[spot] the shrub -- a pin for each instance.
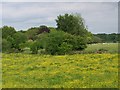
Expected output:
(65, 48)
(59, 42)
(80, 43)
(34, 48)
(54, 42)
(7, 31)
(43, 29)
(18, 38)
(6, 45)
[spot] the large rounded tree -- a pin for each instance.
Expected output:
(73, 24)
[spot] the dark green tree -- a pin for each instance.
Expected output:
(43, 29)
(6, 45)
(53, 42)
(18, 38)
(7, 31)
(59, 42)
(34, 47)
(32, 33)
(73, 24)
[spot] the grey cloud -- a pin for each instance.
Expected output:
(99, 17)
(60, 0)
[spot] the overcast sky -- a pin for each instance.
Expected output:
(99, 17)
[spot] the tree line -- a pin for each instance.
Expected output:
(70, 35)
(108, 38)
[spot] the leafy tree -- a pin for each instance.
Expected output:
(27, 44)
(59, 42)
(96, 40)
(113, 37)
(41, 39)
(34, 47)
(80, 43)
(6, 45)
(64, 48)
(43, 29)
(7, 31)
(73, 24)
(31, 33)
(18, 38)
(53, 41)
(89, 38)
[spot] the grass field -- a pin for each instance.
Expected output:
(104, 47)
(65, 71)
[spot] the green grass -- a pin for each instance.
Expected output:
(65, 71)
(106, 47)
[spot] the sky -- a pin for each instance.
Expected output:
(100, 17)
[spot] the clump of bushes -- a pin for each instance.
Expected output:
(55, 42)
(70, 35)
(58, 42)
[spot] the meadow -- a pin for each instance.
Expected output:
(60, 71)
(64, 56)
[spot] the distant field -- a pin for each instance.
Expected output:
(67, 71)
(94, 48)
(103, 47)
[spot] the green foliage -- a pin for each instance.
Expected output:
(18, 38)
(0, 44)
(6, 45)
(34, 48)
(59, 42)
(77, 42)
(80, 43)
(73, 24)
(110, 38)
(43, 29)
(31, 33)
(90, 38)
(64, 48)
(41, 40)
(96, 40)
(53, 41)
(71, 35)
(7, 31)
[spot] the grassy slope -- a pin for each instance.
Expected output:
(87, 70)
(109, 47)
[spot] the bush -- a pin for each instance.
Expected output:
(53, 41)
(59, 42)
(7, 31)
(80, 43)
(65, 48)
(34, 48)
(43, 29)
(6, 45)
(18, 39)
